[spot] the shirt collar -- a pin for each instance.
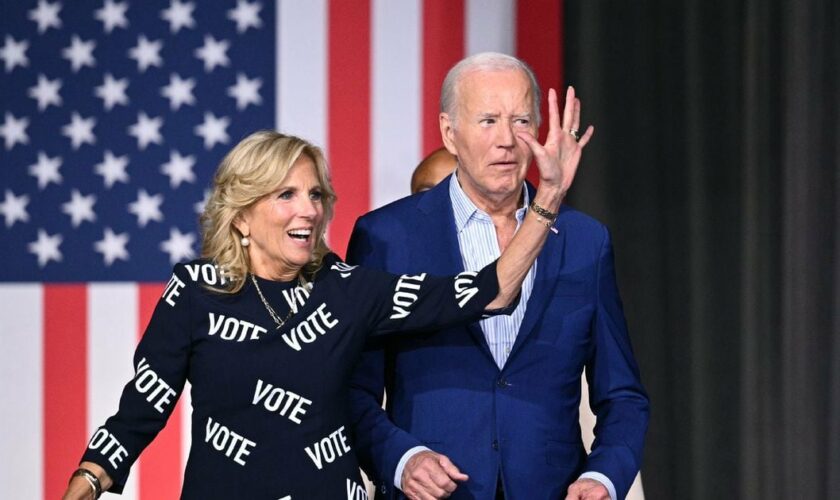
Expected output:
(466, 211)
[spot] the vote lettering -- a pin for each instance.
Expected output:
(109, 446)
(173, 290)
(317, 323)
(275, 399)
(405, 294)
(230, 328)
(329, 448)
(157, 391)
(210, 273)
(355, 491)
(234, 445)
(464, 289)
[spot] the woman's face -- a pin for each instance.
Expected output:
(283, 225)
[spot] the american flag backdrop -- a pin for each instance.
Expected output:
(113, 117)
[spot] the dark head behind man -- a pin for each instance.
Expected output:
(433, 169)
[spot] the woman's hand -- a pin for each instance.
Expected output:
(558, 159)
(79, 488)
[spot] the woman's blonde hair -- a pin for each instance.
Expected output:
(253, 169)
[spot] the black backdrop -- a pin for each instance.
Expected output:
(716, 164)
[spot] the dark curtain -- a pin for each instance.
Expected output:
(716, 164)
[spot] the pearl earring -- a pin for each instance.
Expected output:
(245, 241)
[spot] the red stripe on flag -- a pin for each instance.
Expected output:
(65, 383)
(539, 42)
(348, 99)
(160, 466)
(443, 46)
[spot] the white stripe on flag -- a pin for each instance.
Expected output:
(21, 384)
(396, 98)
(112, 339)
(302, 69)
(490, 25)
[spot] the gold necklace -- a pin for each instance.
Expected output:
(271, 312)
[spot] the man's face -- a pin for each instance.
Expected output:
(492, 107)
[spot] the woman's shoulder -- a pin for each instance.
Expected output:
(202, 272)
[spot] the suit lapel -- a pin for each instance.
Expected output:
(549, 263)
(438, 248)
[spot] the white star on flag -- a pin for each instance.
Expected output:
(112, 15)
(46, 15)
(146, 130)
(213, 53)
(179, 91)
(79, 53)
(80, 130)
(46, 92)
(146, 53)
(13, 53)
(246, 91)
(200, 205)
(179, 15)
(246, 15)
(146, 208)
(46, 170)
(179, 169)
(213, 130)
(46, 247)
(179, 246)
(112, 246)
(13, 130)
(79, 208)
(112, 91)
(13, 208)
(112, 169)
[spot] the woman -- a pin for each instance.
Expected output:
(268, 325)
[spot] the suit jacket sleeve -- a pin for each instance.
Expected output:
(616, 394)
(379, 443)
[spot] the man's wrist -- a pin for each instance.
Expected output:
(404, 460)
(597, 476)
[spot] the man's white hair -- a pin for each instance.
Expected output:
(484, 61)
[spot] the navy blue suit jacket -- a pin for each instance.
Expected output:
(521, 422)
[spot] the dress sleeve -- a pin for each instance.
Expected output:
(160, 370)
(423, 302)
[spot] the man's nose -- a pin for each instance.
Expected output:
(506, 137)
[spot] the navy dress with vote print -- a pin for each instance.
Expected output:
(269, 405)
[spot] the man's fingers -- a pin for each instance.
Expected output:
(568, 108)
(440, 478)
(576, 115)
(584, 140)
(532, 143)
(452, 471)
(430, 475)
(553, 113)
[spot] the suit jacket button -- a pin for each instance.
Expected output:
(502, 383)
(495, 444)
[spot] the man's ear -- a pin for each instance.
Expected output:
(447, 133)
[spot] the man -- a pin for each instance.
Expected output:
(433, 169)
(491, 411)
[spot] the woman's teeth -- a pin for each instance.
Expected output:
(301, 234)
